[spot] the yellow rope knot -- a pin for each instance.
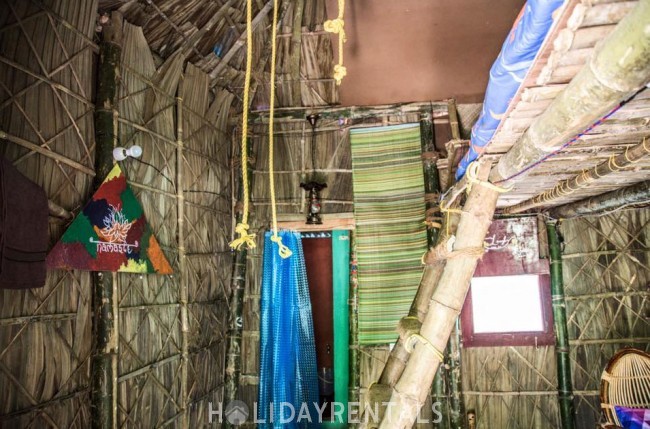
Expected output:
(339, 73)
(282, 249)
(335, 26)
(244, 237)
(472, 178)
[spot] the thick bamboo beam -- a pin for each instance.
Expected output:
(635, 194)
(412, 388)
(619, 67)
(582, 180)
(103, 391)
(565, 388)
(440, 385)
(236, 312)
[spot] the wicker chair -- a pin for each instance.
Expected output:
(625, 382)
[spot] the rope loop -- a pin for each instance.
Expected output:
(282, 249)
(417, 338)
(472, 178)
(337, 26)
(334, 26)
(244, 237)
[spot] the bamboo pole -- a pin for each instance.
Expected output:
(103, 391)
(296, 47)
(235, 317)
(353, 379)
(410, 391)
(567, 187)
(618, 68)
(182, 281)
(620, 198)
(438, 109)
(455, 385)
(432, 192)
(565, 388)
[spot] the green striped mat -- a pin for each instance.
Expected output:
(389, 216)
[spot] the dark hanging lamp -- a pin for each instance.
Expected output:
(313, 184)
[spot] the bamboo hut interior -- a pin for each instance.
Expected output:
(238, 114)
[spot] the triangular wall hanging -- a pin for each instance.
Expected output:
(110, 234)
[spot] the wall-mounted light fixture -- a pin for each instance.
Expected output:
(314, 183)
(121, 153)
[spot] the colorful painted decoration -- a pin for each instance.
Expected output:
(110, 234)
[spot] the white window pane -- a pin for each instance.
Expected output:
(507, 304)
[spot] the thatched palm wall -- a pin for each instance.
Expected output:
(606, 275)
(47, 79)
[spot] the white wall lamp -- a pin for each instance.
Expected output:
(120, 153)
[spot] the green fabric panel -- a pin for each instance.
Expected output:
(80, 231)
(341, 286)
(389, 213)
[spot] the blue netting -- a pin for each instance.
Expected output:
(287, 349)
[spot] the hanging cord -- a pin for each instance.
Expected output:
(242, 227)
(282, 249)
(336, 26)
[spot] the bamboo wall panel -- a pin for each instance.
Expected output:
(513, 387)
(606, 277)
(152, 333)
(46, 86)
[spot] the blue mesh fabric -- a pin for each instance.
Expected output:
(287, 349)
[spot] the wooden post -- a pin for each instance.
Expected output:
(619, 66)
(411, 390)
(236, 313)
(635, 194)
(182, 280)
(565, 388)
(103, 391)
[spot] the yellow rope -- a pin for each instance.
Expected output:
(282, 249)
(242, 227)
(336, 26)
(472, 178)
(415, 338)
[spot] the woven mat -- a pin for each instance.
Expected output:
(389, 216)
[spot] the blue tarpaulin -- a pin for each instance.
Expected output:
(508, 72)
(288, 379)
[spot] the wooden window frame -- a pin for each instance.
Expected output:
(546, 337)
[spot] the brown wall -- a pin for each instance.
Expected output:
(415, 50)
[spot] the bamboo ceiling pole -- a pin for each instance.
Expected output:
(103, 390)
(618, 68)
(635, 194)
(568, 186)
(411, 390)
(563, 360)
